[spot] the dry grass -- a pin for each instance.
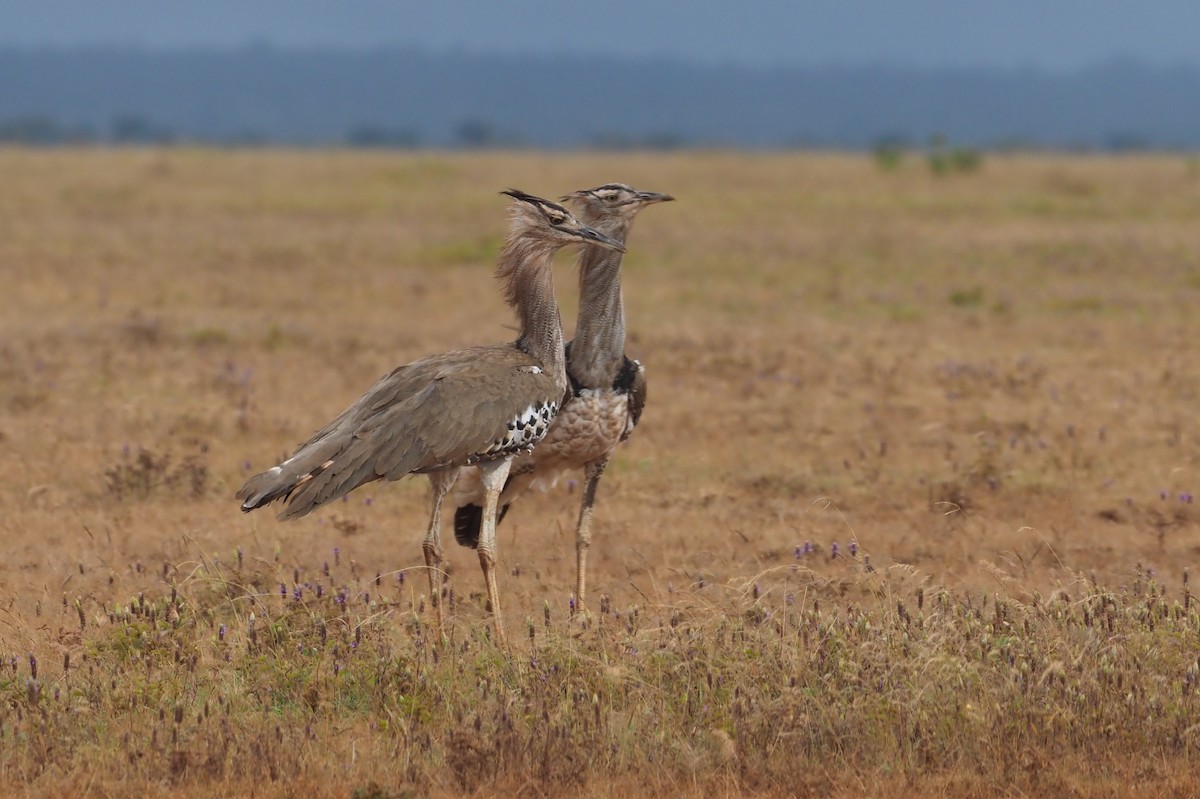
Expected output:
(987, 383)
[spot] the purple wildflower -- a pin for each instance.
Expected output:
(833, 550)
(221, 632)
(853, 549)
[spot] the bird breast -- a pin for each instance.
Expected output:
(589, 426)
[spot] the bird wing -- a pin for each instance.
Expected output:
(444, 411)
(466, 414)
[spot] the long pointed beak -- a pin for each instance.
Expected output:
(648, 197)
(593, 236)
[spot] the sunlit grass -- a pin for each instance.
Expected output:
(251, 670)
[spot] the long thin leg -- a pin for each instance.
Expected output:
(493, 474)
(583, 531)
(439, 484)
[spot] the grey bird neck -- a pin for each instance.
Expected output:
(525, 264)
(598, 349)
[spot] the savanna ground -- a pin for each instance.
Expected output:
(981, 387)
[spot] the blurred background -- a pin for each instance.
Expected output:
(1090, 75)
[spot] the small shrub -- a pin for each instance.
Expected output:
(963, 159)
(945, 160)
(146, 474)
(967, 298)
(888, 157)
(209, 337)
(142, 331)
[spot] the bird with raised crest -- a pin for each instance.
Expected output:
(607, 388)
(477, 407)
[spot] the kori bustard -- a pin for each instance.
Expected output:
(608, 389)
(479, 407)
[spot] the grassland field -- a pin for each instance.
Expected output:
(910, 510)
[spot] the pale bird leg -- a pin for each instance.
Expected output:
(439, 483)
(493, 475)
(583, 530)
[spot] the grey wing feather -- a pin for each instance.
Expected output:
(432, 414)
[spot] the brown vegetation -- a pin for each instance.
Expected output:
(982, 388)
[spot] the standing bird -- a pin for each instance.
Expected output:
(480, 406)
(608, 390)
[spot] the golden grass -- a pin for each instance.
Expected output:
(987, 382)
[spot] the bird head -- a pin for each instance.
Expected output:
(613, 205)
(553, 223)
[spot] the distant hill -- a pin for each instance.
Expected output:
(404, 98)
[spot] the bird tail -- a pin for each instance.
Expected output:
(282, 481)
(468, 523)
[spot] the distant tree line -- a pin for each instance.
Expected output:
(39, 130)
(134, 129)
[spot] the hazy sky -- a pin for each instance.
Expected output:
(1050, 34)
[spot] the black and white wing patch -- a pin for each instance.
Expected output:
(632, 381)
(522, 432)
